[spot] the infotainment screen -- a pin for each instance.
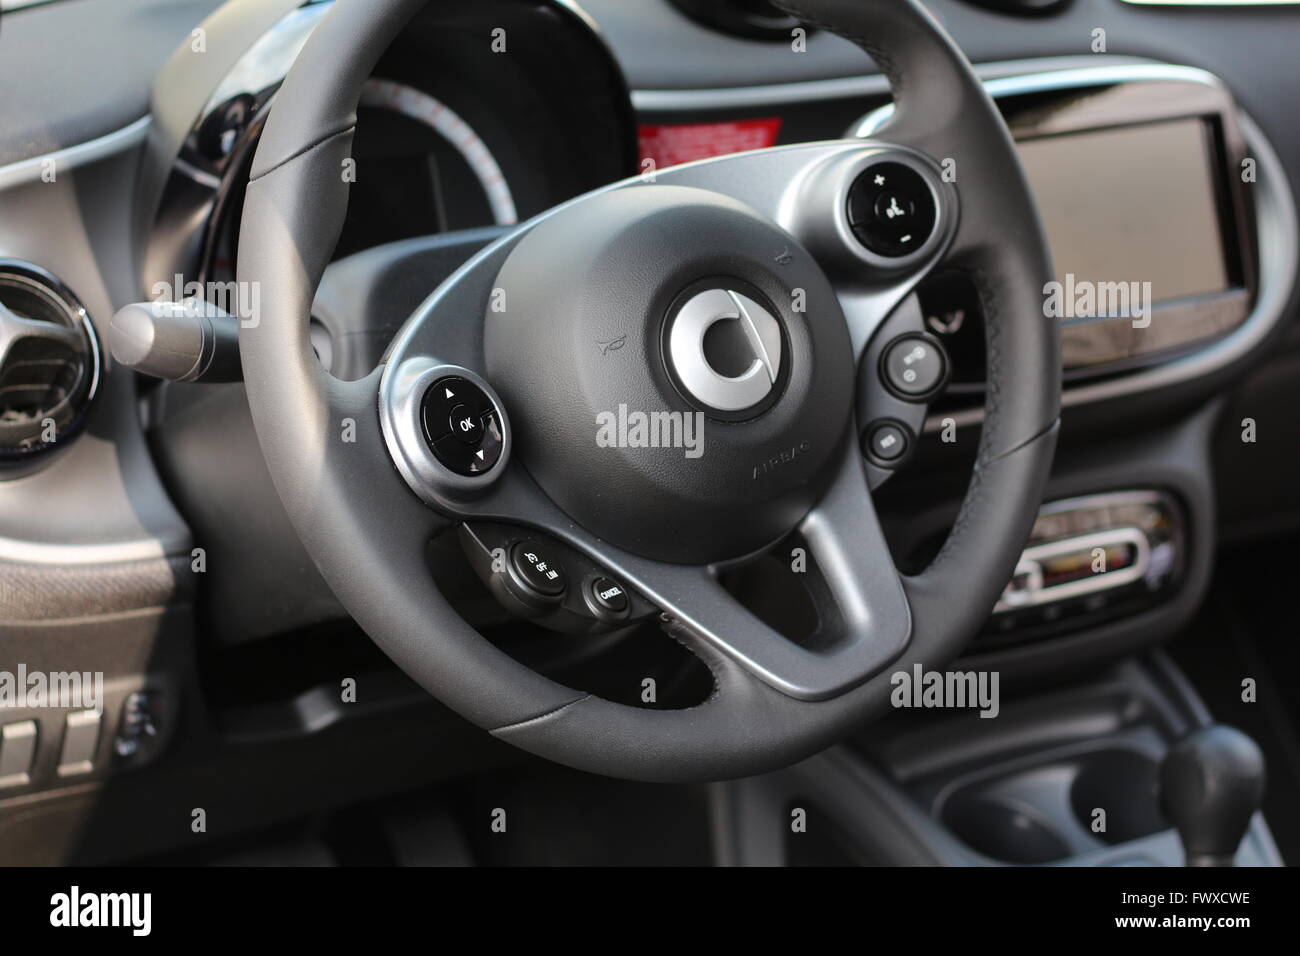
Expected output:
(1132, 204)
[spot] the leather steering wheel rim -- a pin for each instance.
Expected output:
(368, 533)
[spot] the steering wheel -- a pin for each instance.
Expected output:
(608, 301)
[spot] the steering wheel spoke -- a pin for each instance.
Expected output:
(866, 626)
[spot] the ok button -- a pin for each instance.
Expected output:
(465, 425)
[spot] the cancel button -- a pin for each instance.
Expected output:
(609, 595)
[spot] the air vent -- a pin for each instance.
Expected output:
(49, 362)
(755, 19)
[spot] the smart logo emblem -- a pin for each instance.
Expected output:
(693, 361)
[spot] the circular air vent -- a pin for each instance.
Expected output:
(756, 19)
(49, 362)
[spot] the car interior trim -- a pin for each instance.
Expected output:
(1276, 226)
(638, 428)
(119, 141)
(114, 552)
(870, 84)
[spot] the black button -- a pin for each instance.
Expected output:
(538, 568)
(465, 425)
(469, 459)
(891, 209)
(462, 426)
(447, 394)
(887, 442)
(914, 367)
(609, 594)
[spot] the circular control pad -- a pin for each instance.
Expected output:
(462, 426)
(891, 209)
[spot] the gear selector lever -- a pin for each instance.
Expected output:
(1211, 784)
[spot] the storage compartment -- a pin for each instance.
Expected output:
(1056, 807)
(1064, 774)
(1005, 827)
(1123, 784)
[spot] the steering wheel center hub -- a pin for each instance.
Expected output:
(677, 367)
(724, 350)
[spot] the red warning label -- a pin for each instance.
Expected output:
(684, 142)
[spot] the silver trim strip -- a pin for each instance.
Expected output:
(1156, 500)
(1031, 566)
(119, 141)
(115, 552)
(873, 84)
(1067, 79)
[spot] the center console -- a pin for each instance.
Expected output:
(1071, 776)
(1091, 559)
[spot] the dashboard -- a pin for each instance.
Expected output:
(1157, 196)
(434, 153)
(1143, 182)
(1164, 169)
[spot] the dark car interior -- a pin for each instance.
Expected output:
(649, 432)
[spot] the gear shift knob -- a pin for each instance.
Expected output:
(1211, 784)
